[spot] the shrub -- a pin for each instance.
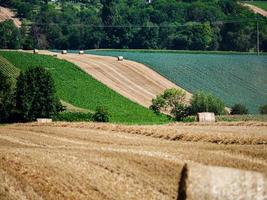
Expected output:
(172, 101)
(101, 114)
(36, 95)
(239, 109)
(6, 98)
(73, 117)
(202, 102)
(263, 109)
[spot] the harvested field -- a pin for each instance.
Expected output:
(6, 14)
(106, 161)
(130, 79)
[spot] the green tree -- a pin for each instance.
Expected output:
(36, 95)
(239, 109)
(6, 98)
(202, 102)
(171, 101)
(101, 114)
(10, 37)
(263, 109)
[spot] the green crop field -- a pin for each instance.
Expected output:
(8, 69)
(78, 88)
(260, 4)
(234, 78)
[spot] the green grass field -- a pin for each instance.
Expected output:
(260, 4)
(236, 78)
(78, 88)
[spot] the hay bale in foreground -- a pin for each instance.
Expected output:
(120, 58)
(81, 52)
(44, 120)
(64, 51)
(206, 117)
(209, 183)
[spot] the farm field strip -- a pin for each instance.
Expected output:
(234, 78)
(107, 161)
(80, 89)
(6, 14)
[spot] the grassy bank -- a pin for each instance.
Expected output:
(79, 89)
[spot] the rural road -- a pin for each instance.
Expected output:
(256, 9)
(130, 79)
(105, 161)
(6, 14)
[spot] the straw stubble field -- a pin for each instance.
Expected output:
(105, 161)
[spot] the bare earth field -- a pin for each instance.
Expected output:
(6, 14)
(130, 79)
(106, 161)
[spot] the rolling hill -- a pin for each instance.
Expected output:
(79, 89)
(6, 14)
(235, 78)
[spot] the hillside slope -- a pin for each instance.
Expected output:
(82, 90)
(6, 14)
(256, 9)
(234, 78)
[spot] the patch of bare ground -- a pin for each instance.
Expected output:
(6, 14)
(107, 161)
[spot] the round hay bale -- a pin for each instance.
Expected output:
(120, 58)
(81, 52)
(64, 51)
(35, 51)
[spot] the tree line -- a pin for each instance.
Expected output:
(135, 24)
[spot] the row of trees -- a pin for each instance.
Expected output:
(164, 24)
(173, 101)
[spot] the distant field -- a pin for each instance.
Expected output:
(260, 4)
(234, 78)
(78, 88)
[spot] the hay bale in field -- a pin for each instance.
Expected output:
(44, 120)
(210, 182)
(64, 51)
(35, 51)
(120, 58)
(81, 52)
(206, 117)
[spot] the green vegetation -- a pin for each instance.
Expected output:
(233, 78)
(73, 117)
(239, 118)
(8, 69)
(162, 24)
(101, 114)
(79, 89)
(36, 95)
(263, 109)
(260, 4)
(239, 109)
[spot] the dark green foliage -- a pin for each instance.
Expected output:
(263, 109)
(202, 102)
(35, 95)
(73, 117)
(6, 98)
(167, 24)
(180, 112)
(239, 109)
(101, 114)
(10, 37)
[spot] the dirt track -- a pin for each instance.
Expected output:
(8, 14)
(256, 9)
(130, 79)
(102, 161)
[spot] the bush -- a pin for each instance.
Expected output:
(263, 109)
(101, 114)
(6, 98)
(202, 102)
(73, 117)
(180, 111)
(239, 109)
(36, 95)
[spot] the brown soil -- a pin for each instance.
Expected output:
(106, 161)
(6, 14)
